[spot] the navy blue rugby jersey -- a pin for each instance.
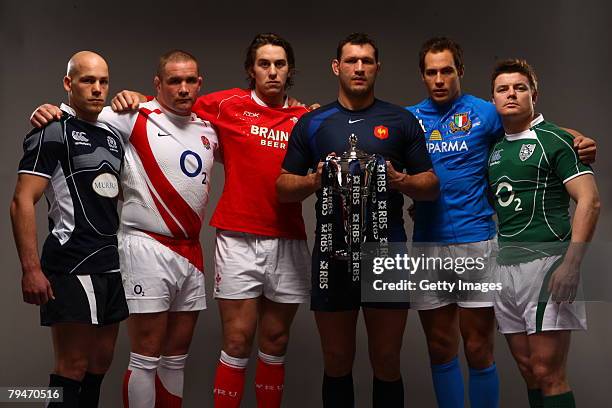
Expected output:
(382, 128)
(82, 161)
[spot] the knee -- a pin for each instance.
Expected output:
(72, 366)
(547, 375)
(274, 342)
(338, 362)
(237, 345)
(479, 352)
(101, 361)
(386, 364)
(442, 347)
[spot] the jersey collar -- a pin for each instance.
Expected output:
(529, 133)
(262, 103)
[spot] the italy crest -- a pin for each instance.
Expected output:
(460, 122)
(526, 151)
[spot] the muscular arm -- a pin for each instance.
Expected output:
(422, 186)
(35, 286)
(564, 281)
(294, 188)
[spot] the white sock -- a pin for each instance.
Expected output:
(141, 382)
(233, 361)
(267, 358)
(171, 373)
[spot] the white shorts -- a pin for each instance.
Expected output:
(517, 308)
(158, 279)
(434, 299)
(248, 266)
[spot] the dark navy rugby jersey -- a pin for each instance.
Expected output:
(382, 128)
(82, 161)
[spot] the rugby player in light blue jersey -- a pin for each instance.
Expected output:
(459, 130)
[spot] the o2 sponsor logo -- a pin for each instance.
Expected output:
(191, 165)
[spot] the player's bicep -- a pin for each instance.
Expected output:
(416, 157)
(564, 158)
(582, 187)
(30, 187)
(42, 151)
(299, 156)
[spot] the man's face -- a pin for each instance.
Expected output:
(270, 70)
(179, 85)
(513, 97)
(441, 77)
(87, 87)
(356, 69)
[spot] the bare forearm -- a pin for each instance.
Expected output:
(23, 218)
(583, 228)
(294, 188)
(423, 186)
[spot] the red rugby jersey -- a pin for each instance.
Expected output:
(253, 138)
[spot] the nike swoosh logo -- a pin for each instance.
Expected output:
(163, 134)
(355, 121)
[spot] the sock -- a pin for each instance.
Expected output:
(169, 381)
(387, 394)
(484, 387)
(338, 391)
(269, 380)
(70, 388)
(535, 398)
(448, 384)
(90, 390)
(565, 400)
(139, 382)
(229, 381)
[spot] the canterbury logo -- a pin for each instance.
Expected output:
(79, 136)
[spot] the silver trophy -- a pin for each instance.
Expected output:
(351, 185)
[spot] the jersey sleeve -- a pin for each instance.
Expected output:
(562, 156)
(43, 150)
(299, 157)
(120, 123)
(492, 121)
(416, 157)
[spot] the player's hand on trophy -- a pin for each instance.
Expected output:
(563, 283)
(44, 114)
(587, 149)
(395, 177)
(316, 176)
(127, 100)
(36, 288)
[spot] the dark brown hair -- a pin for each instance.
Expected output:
(439, 44)
(356, 39)
(272, 39)
(513, 65)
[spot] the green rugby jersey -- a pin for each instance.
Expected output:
(527, 173)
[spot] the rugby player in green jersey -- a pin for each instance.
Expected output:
(533, 173)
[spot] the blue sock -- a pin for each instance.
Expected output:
(484, 387)
(448, 384)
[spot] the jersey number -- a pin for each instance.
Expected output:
(185, 162)
(510, 199)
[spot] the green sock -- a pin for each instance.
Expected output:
(565, 400)
(535, 398)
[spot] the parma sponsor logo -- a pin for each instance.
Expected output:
(271, 137)
(445, 147)
(106, 185)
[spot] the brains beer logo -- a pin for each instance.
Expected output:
(381, 132)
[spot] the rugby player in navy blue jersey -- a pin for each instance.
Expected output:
(394, 133)
(459, 130)
(75, 161)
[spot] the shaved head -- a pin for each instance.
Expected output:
(83, 59)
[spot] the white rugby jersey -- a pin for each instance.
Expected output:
(166, 174)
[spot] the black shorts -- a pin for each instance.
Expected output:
(96, 299)
(337, 291)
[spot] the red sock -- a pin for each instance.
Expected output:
(163, 398)
(229, 381)
(169, 381)
(269, 381)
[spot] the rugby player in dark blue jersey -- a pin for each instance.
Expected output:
(394, 133)
(75, 161)
(459, 130)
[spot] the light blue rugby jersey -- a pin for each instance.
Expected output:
(458, 138)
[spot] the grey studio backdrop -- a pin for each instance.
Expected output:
(568, 43)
